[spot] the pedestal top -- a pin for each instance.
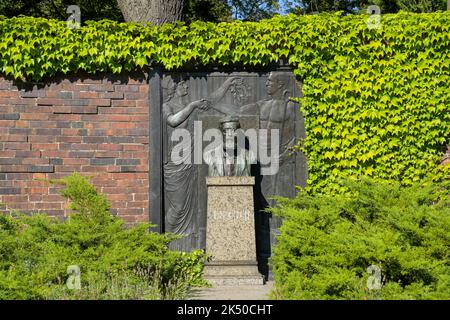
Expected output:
(230, 181)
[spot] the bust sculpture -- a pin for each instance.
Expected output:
(229, 159)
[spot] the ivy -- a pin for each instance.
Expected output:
(376, 101)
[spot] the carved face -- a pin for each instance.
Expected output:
(229, 134)
(273, 85)
(182, 88)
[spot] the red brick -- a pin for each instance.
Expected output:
(14, 198)
(35, 183)
(86, 95)
(122, 110)
(120, 197)
(35, 161)
(48, 205)
(84, 146)
(135, 211)
(140, 197)
(76, 161)
(143, 140)
(126, 88)
(19, 176)
(135, 95)
(138, 155)
(14, 138)
(52, 198)
(142, 104)
(38, 190)
(134, 147)
(69, 139)
(100, 102)
(51, 94)
(104, 183)
(34, 116)
(39, 175)
(7, 153)
(111, 95)
(8, 123)
(66, 168)
(65, 117)
(110, 147)
(46, 131)
(117, 117)
(107, 154)
(101, 87)
(50, 101)
(123, 103)
(42, 124)
(136, 204)
(114, 169)
(21, 206)
(55, 154)
(57, 144)
(16, 146)
(44, 146)
(96, 125)
(62, 109)
(74, 132)
(42, 139)
(125, 125)
(139, 118)
(8, 94)
(18, 124)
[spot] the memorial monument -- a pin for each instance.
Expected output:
(230, 231)
(259, 100)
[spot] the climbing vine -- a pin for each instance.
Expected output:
(376, 101)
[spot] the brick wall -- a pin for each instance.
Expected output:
(97, 126)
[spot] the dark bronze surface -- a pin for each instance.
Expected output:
(261, 100)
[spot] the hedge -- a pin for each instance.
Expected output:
(328, 242)
(115, 262)
(376, 101)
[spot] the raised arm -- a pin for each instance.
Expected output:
(174, 120)
(218, 94)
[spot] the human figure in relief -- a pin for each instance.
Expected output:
(276, 112)
(180, 177)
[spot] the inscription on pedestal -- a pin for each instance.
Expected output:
(230, 231)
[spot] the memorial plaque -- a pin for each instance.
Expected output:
(195, 102)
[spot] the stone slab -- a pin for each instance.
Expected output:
(230, 232)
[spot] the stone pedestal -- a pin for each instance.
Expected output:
(230, 232)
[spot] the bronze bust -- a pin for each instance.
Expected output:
(229, 159)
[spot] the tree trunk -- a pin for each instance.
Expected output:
(156, 12)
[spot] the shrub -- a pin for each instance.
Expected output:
(327, 242)
(115, 262)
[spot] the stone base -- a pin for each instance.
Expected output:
(235, 280)
(220, 273)
(230, 232)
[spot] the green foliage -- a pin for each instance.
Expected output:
(353, 6)
(203, 10)
(328, 242)
(375, 100)
(206, 10)
(57, 9)
(253, 10)
(116, 262)
(411, 5)
(316, 6)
